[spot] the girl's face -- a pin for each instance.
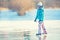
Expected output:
(39, 7)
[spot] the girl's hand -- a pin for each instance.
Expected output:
(34, 20)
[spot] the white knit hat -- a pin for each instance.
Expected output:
(40, 4)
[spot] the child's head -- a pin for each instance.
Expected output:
(40, 5)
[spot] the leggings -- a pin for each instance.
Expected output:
(41, 26)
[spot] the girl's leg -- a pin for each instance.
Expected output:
(44, 29)
(39, 28)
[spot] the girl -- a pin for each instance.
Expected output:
(40, 17)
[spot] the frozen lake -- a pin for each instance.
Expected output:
(14, 27)
(26, 30)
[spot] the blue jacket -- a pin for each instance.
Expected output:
(40, 14)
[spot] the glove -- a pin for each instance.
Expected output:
(34, 20)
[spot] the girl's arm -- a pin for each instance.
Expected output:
(36, 18)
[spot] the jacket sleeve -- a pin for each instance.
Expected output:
(36, 17)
